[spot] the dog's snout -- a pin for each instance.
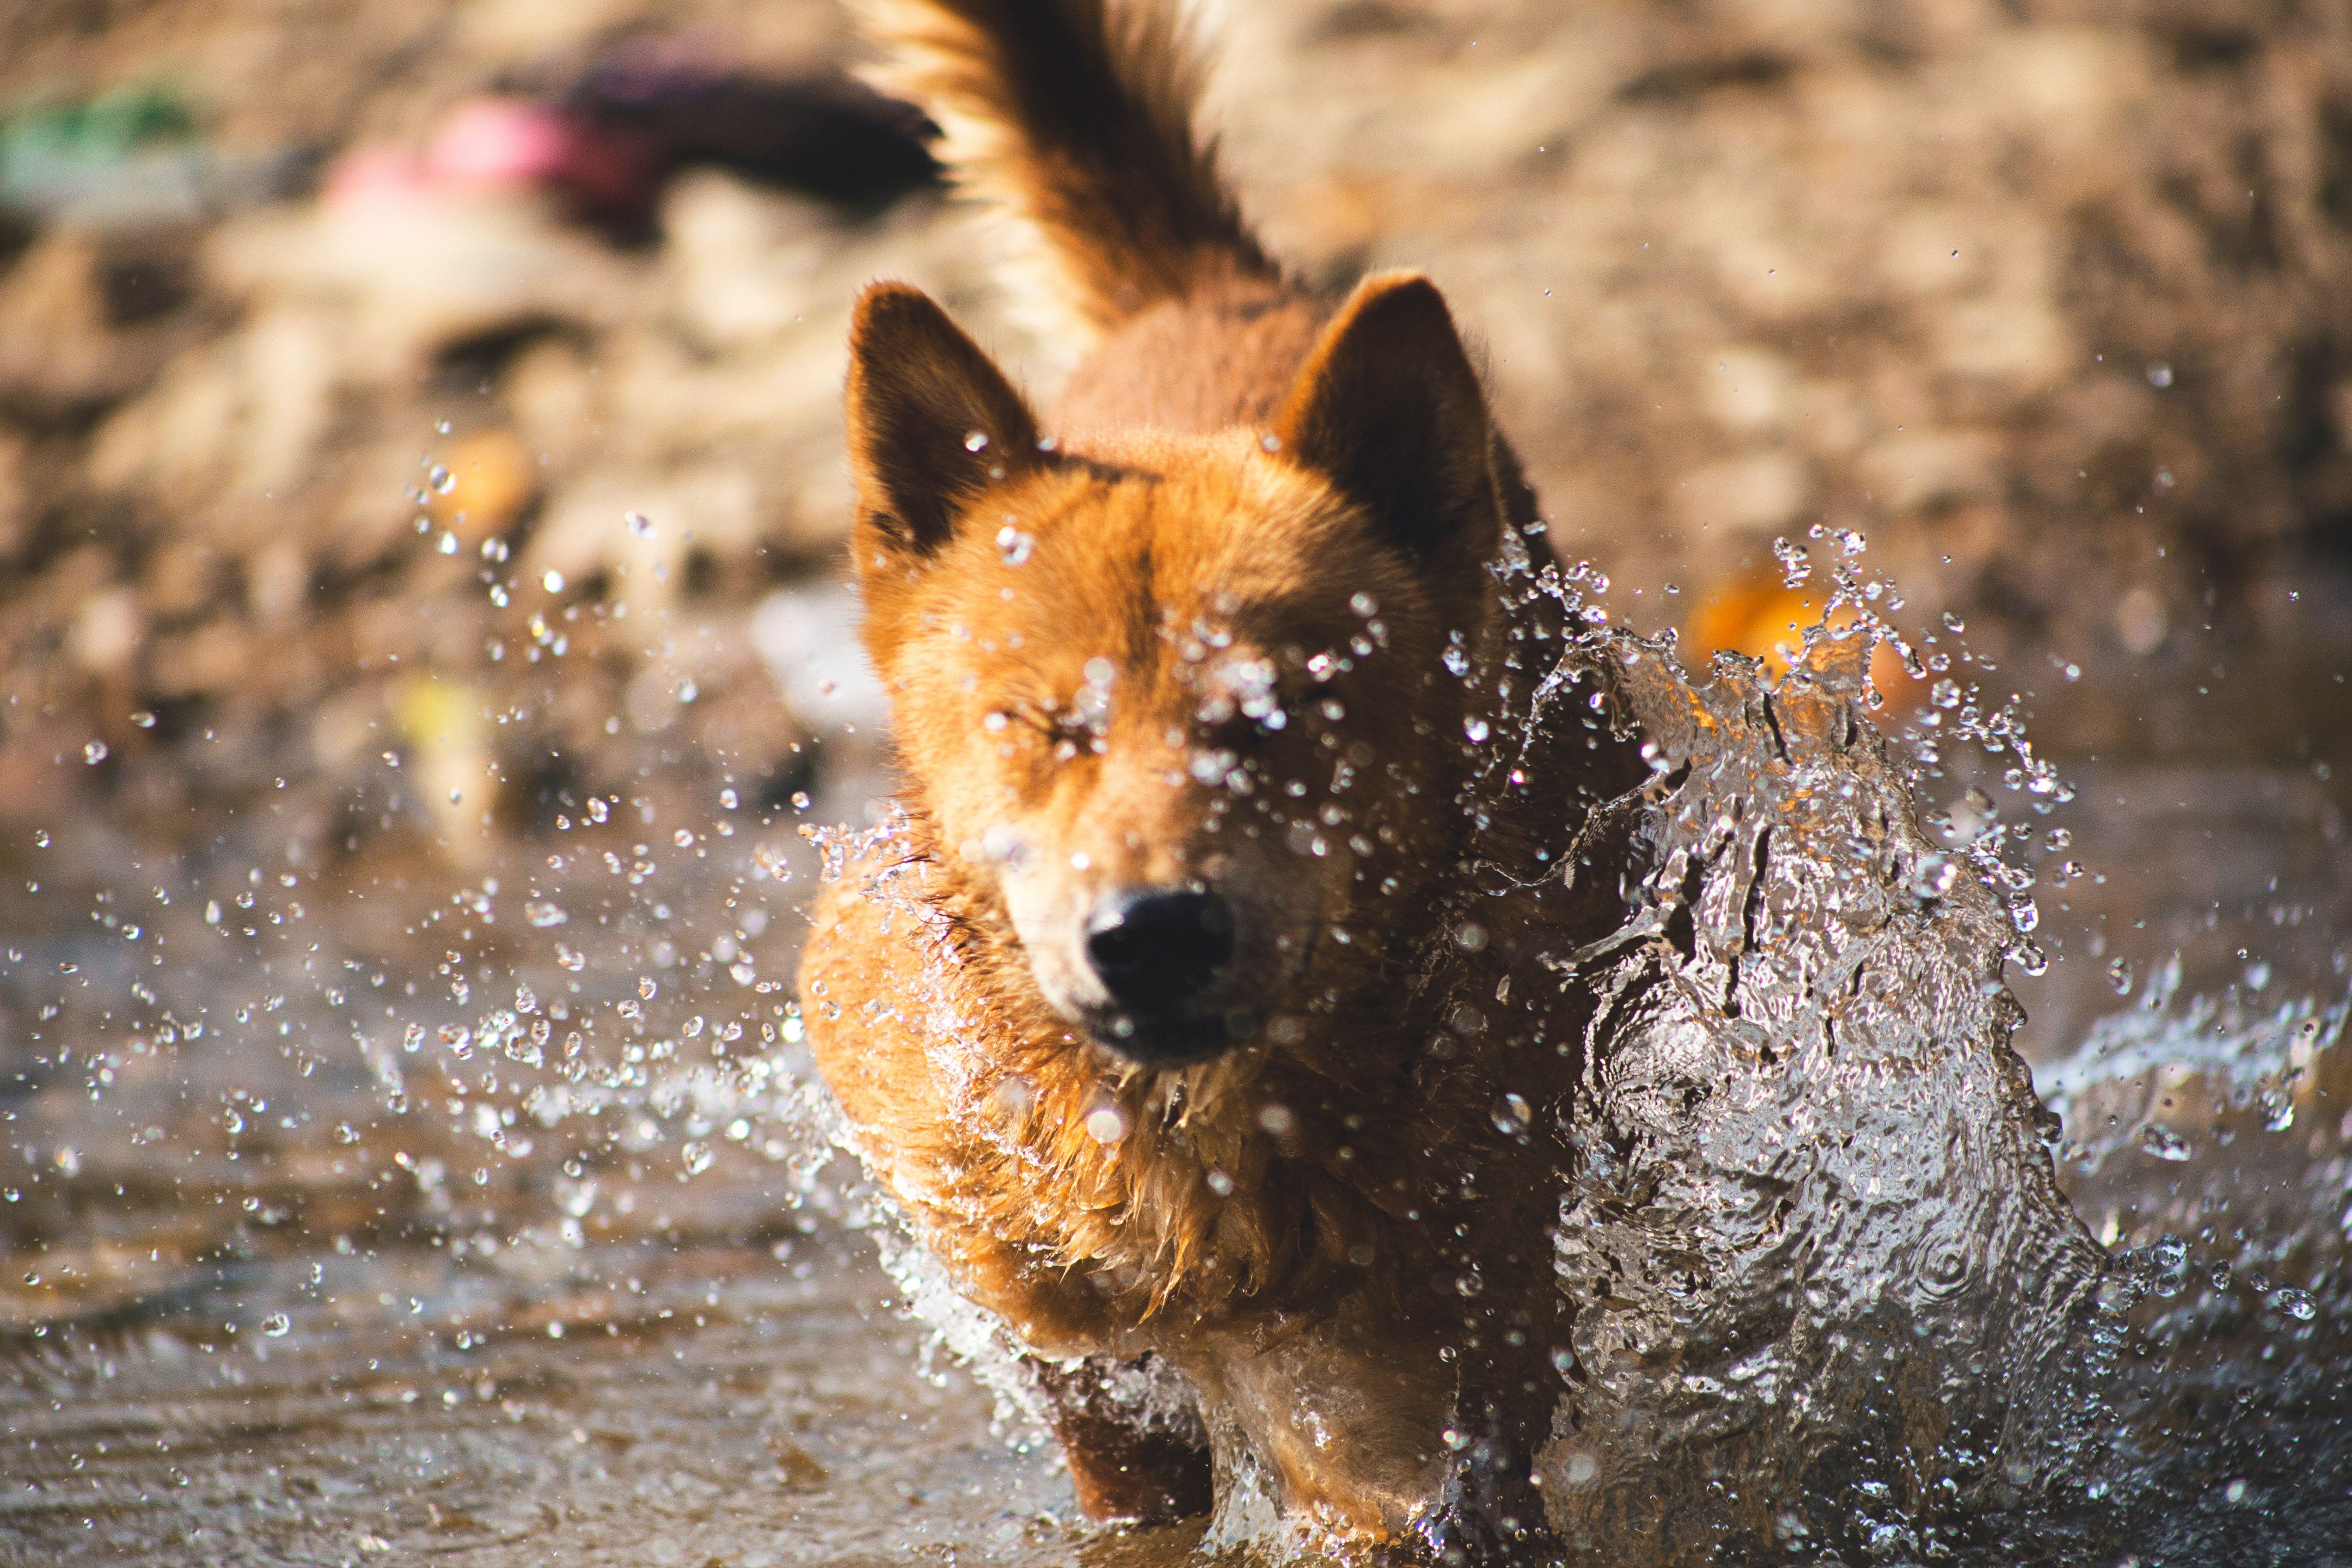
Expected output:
(1159, 948)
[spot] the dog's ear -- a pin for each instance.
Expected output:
(1390, 411)
(932, 421)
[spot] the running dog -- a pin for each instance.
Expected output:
(1192, 1010)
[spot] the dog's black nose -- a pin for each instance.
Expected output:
(1158, 949)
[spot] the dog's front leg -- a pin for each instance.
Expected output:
(1132, 1457)
(1490, 1509)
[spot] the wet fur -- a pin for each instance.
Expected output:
(1338, 1230)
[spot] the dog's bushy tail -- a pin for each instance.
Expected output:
(1076, 117)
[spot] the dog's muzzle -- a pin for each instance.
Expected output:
(1163, 955)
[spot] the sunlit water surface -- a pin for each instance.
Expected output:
(358, 1207)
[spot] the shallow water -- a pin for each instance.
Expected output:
(320, 1249)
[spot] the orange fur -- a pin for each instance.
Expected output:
(1237, 626)
(1075, 117)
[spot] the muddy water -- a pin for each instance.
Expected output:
(367, 1200)
(402, 1211)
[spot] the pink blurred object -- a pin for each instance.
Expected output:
(507, 144)
(372, 172)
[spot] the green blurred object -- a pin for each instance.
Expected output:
(94, 133)
(131, 156)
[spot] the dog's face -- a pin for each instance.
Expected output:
(1184, 706)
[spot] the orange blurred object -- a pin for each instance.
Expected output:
(491, 480)
(1763, 617)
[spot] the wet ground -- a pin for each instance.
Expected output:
(288, 1285)
(360, 1207)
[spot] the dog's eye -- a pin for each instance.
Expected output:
(1063, 730)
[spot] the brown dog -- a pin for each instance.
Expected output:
(1192, 1010)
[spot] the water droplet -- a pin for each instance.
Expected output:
(1476, 728)
(2164, 1143)
(728, 799)
(1796, 565)
(800, 799)
(1470, 936)
(976, 442)
(2159, 374)
(1270, 442)
(41, 838)
(1933, 877)
(648, 987)
(1952, 623)
(1106, 1124)
(1364, 604)
(640, 525)
(277, 1325)
(542, 913)
(571, 958)
(442, 480)
(1511, 1115)
(2119, 975)
(448, 545)
(144, 718)
(1276, 1118)
(2296, 1304)
(552, 582)
(696, 1157)
(1013, 546)
(94, 753)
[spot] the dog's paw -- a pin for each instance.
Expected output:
(1489, 1513)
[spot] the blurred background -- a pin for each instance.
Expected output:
(420, 497)
(2048, 302)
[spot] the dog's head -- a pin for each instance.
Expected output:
(1192, 709)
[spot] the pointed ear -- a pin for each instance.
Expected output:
(1389, 410)
(932, 421)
